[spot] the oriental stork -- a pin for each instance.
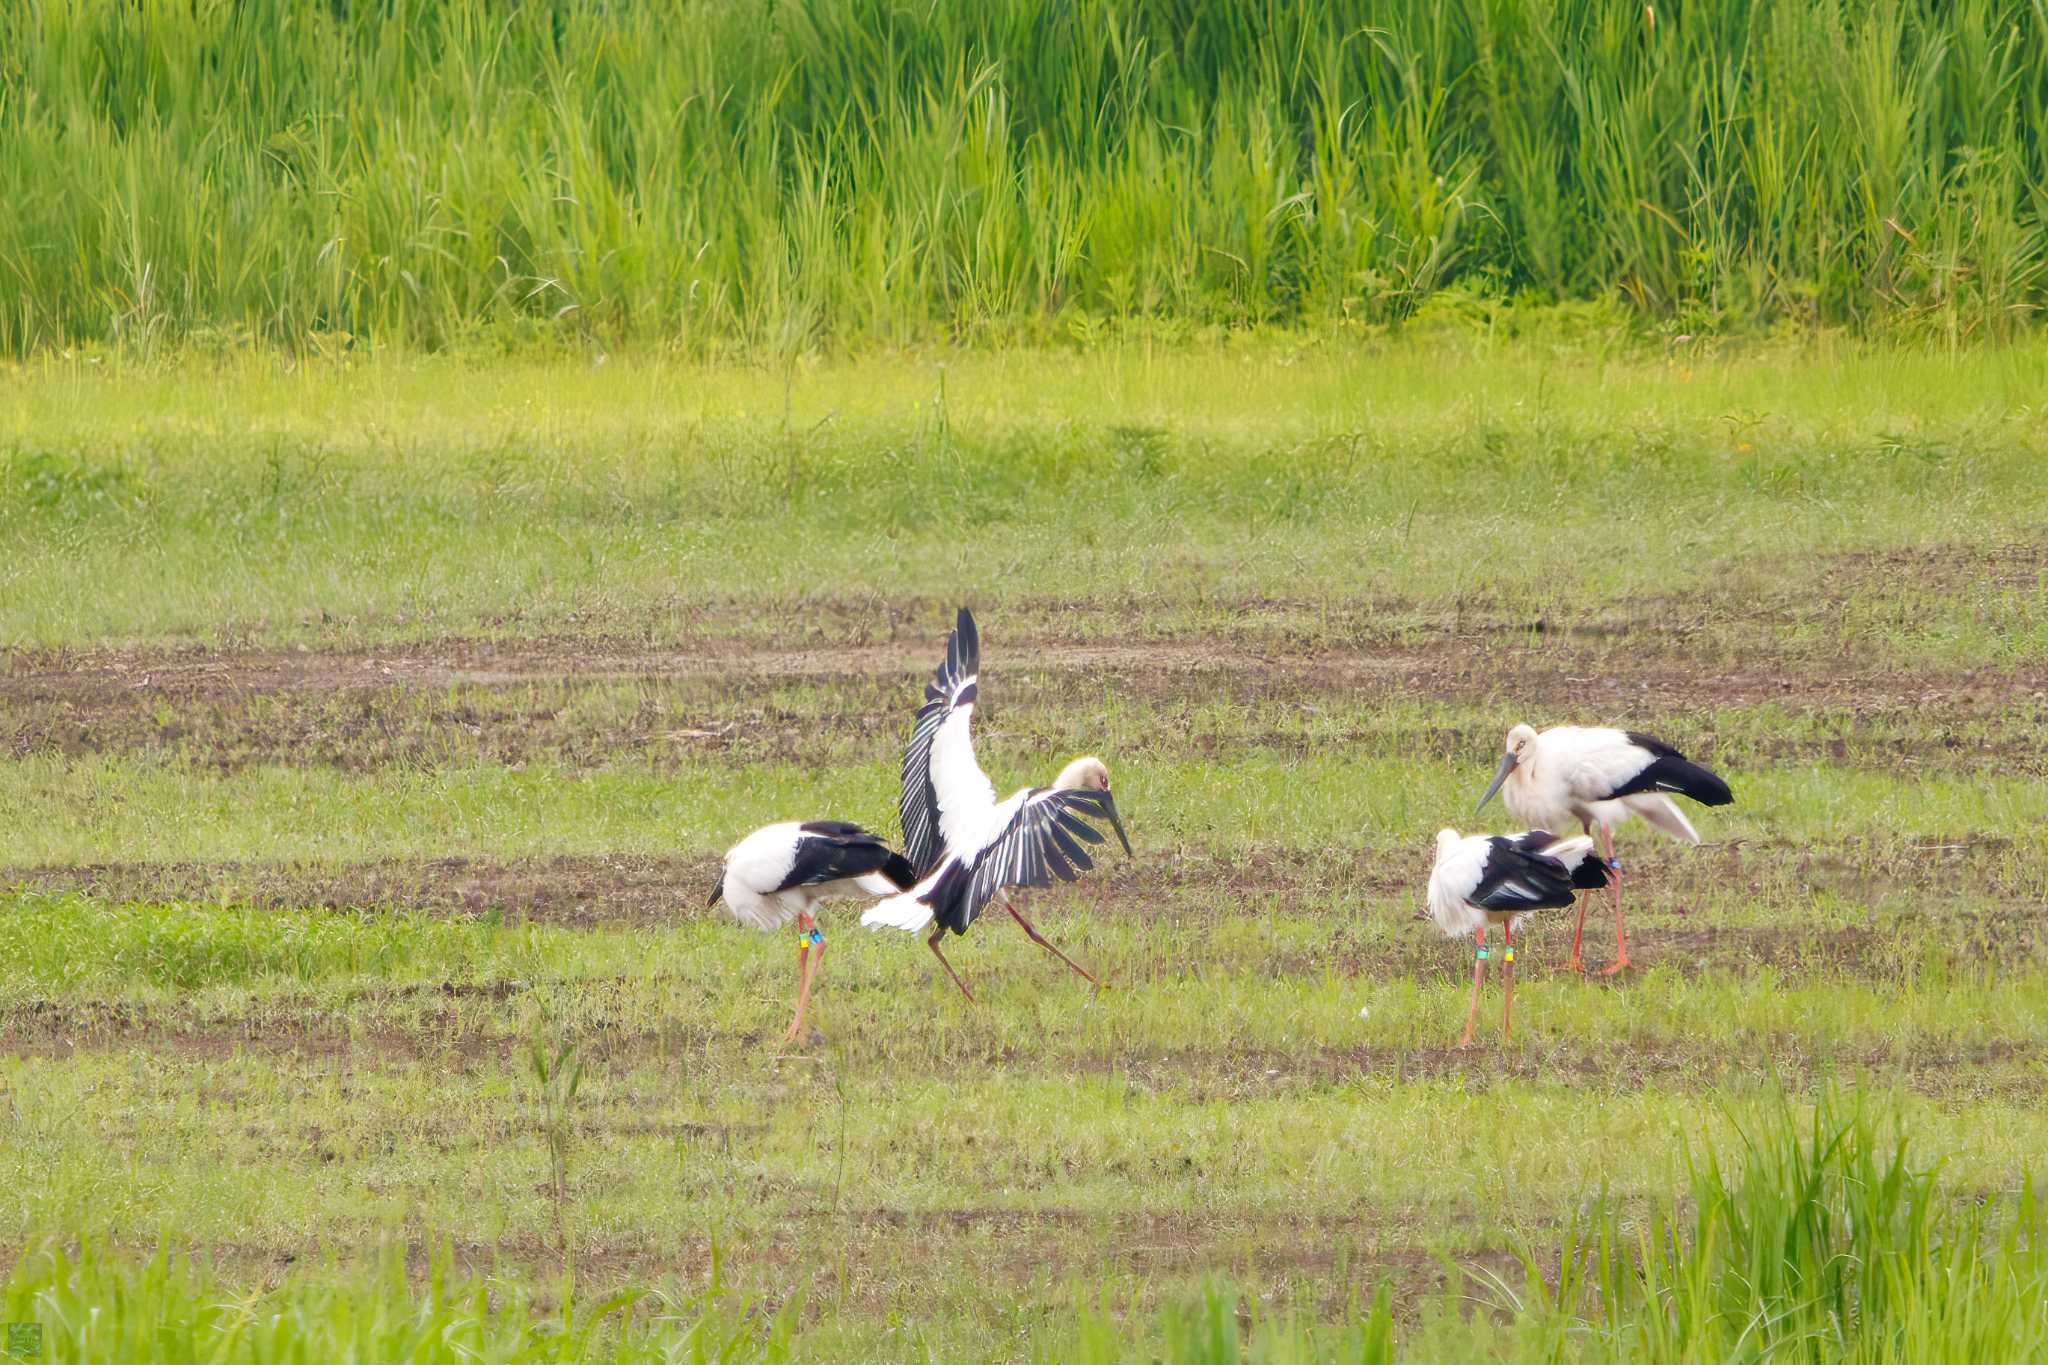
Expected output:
(1599, 777)
(968, 848)
(779, 872)
(1495, 879)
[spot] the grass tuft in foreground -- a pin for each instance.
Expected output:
(1824, 1243)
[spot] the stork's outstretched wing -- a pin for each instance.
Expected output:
(1033, 839)
(946, 796)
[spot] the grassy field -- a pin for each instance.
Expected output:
(720, 179)
(374, 727)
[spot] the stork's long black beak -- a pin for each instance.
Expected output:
(717, 892)
(1507, 765)
(1115, 821)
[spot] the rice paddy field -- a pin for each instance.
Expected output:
(374, 731)
(460, 471)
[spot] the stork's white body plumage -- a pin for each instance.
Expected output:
(968, 847)
(1478, 880)
(1599, 776)
(975, 830)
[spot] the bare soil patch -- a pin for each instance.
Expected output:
(876, 1260)
(1459, 665)
(56, 1030)
(557, 701)
(1185, 885)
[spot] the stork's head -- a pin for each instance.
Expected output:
(1083, 775)
(1521, 740)
(1090, 775)
(1521, 747)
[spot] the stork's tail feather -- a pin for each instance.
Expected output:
(1663, 812)
(905, 912)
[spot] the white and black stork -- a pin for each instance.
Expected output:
(1599, 777)
(1495, 879)
(968, 848)
(779, 872)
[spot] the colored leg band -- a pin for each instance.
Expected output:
(1508, 956)
(1482, 954)
(815, 937)
(1614, 863)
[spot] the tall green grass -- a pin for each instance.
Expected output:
(1826, 1243)
(716, 175)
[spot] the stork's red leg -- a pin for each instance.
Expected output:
(803, 979)
(932, 943)
(1620, 962)
(1478, 975)
(1042, 941)
(1507, 977)
(1578, 933)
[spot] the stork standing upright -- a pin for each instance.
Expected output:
(968, 848)
(780, 872)
(1483, 879)
(1600, 777)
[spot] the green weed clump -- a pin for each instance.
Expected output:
(713, 175)
(1823, 1242)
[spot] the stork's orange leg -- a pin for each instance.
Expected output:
(806, 931)
(1507, 976)
(1478, 976)
(938, 930)
(1042, 941)
(1620, 962)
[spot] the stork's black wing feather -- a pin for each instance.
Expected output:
(1037, 848)
(952, 685)
(833, 850)
(1671, 771)
(1518, 877)
(1587, 871)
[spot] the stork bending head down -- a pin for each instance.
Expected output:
(781, 872)
(1599, 777)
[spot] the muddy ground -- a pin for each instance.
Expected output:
(586, 701)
